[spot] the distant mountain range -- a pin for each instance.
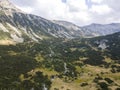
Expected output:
(17, 26)
(101, 30)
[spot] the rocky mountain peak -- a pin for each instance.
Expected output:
(6, 5)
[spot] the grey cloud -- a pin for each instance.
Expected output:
(114, 4)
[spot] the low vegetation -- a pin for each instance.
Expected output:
(60, 64)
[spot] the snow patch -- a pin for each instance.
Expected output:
(3, 28)
(34, 34)
(32, 37)
(16, 38)
(15, 29)
(102, 44)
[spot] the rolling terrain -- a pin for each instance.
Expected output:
(76, 63)
(41, 54)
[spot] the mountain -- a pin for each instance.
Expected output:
(17, 26)
(91, 30)
(6, 5)
(61, 59)
(76, 30)
(101, 30)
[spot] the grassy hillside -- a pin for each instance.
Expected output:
(59, 64)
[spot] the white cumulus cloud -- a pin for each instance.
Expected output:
(80, 12)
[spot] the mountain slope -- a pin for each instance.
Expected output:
(91, 30)
(76, 30)
(71, 64)
(101, 30)
(110, 44)
(19, 26)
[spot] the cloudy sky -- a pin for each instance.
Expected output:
(80, 12)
